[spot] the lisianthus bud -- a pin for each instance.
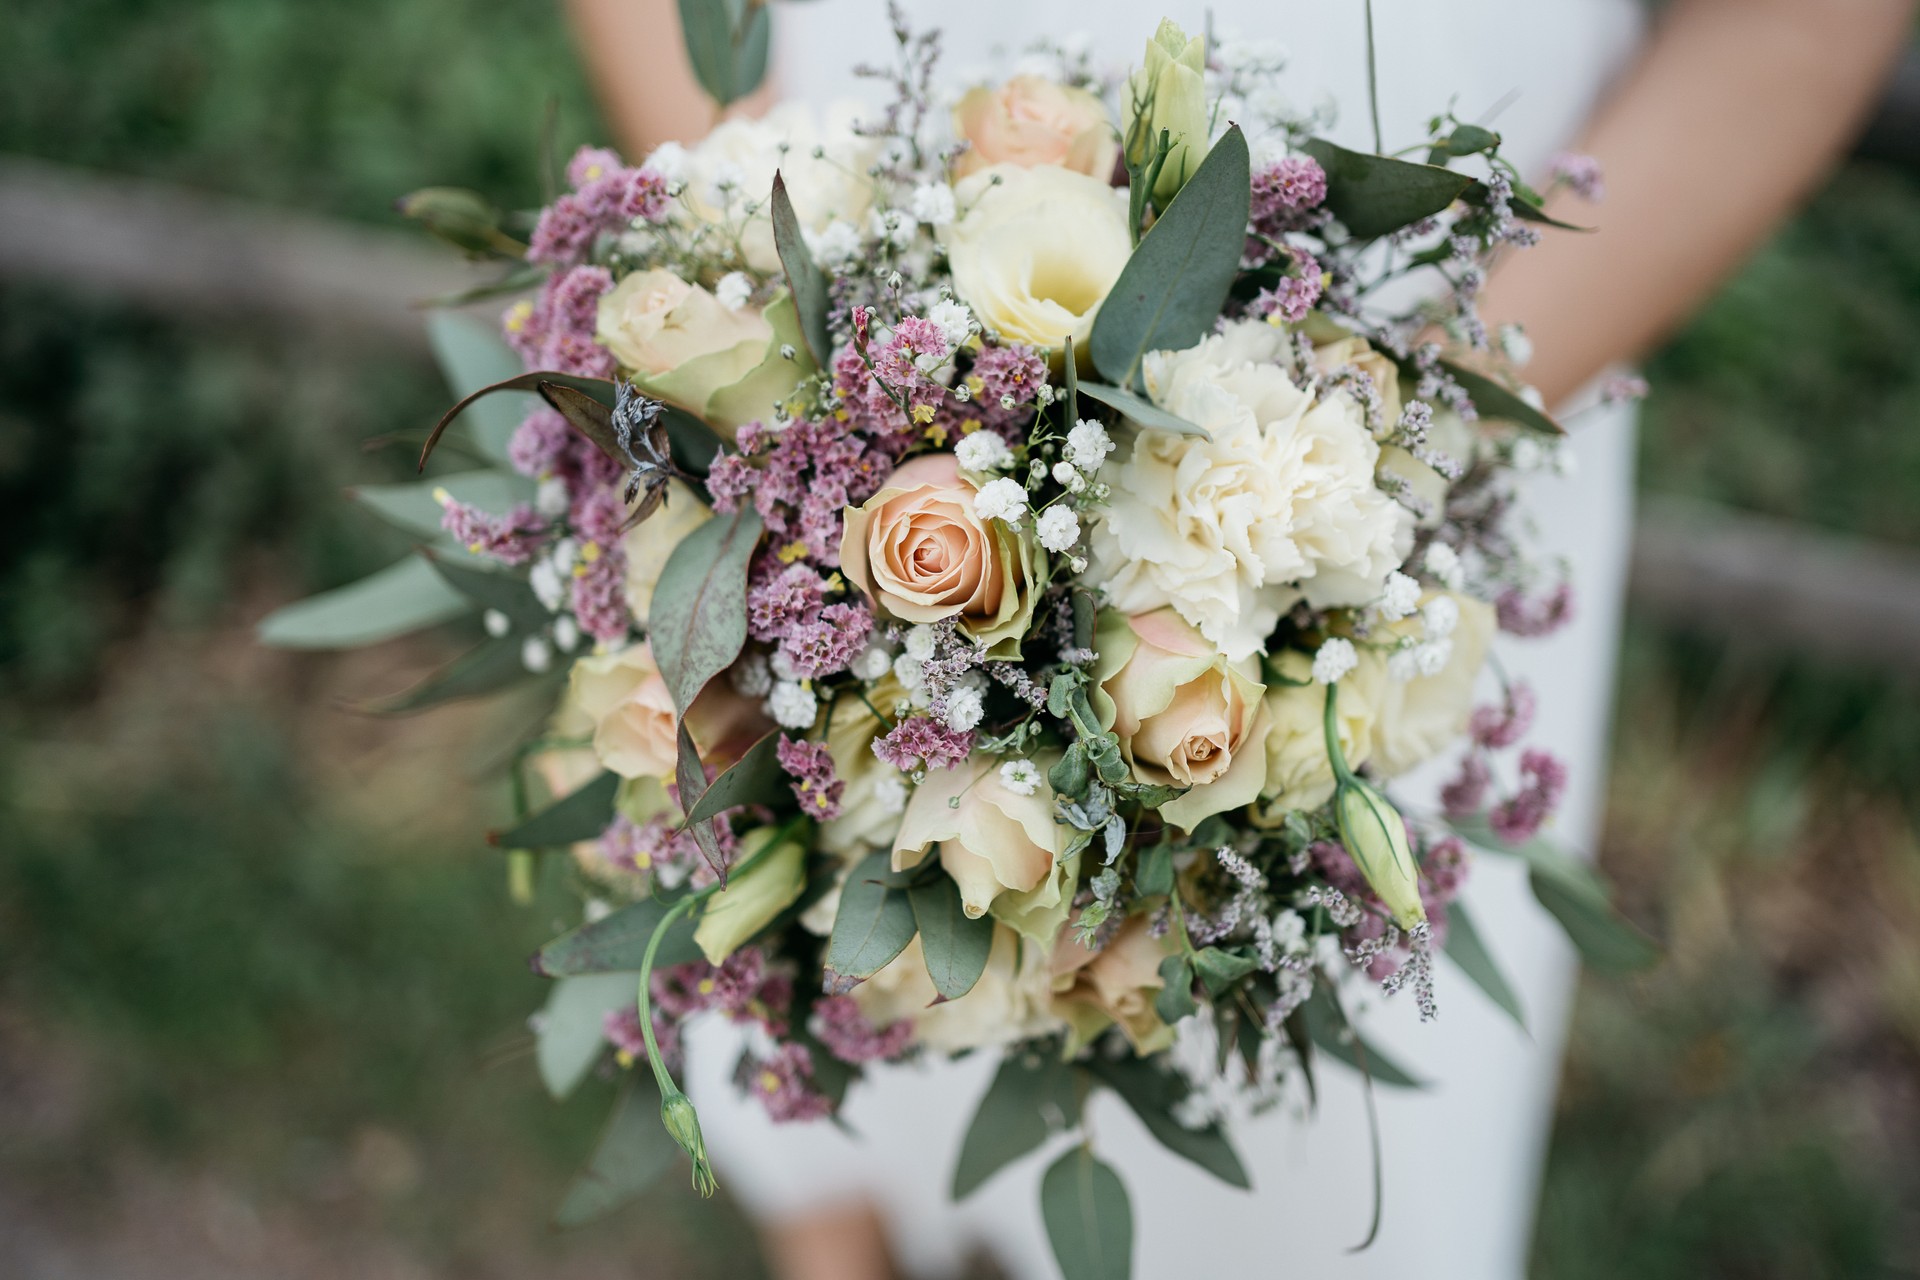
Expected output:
(464, 219)
(1376, 837)
(1169, 92)
(678, 1115)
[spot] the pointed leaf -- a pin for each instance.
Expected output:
(473, 355)
(1032, 1095)
(753, 779)
(634, 1151)
(617, 942)
(954, 946)
(492, 589)
(1141, 412)
(1171, 291)
(874, 924)
(570, 1037)
(699, 610)
(690, 774)
(1221, 969)
(580, 815)
(1154, 1094)
(401, 598)
(586, 415)
(600, 388)
(1607, 940)
(413, 507)
(1329, 1030)
(1495, 401)
(1089, 1222)
(1373, 195)
(1465, 948)
(805, 281)
(1175, 1000)
(489, 668)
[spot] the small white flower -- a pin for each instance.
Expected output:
(1088, 444)
(1022, 777)
(1004, 499)
(733, 290)
(932, 203)
(1531, 394)
(551, 498)
(1443, 562)
(906, 669)
(669, 160)
(535, 656)
(1404, 664)
(1058, 528)
(548, 586)
(919, 642)
(873, 664)
(596, 910)
(496, 623)
(792, 706)
(1064, 473)
(1516, 344)
(750, 676)
(955, 321)
(1401, 597)
(1334, 660)
(727, 179)
(837, 245)
(1565, 461)
(565, 552)
(566, 633)
(1526, 455)
(782, 666)
(965, 707)
(983, 451)
(1290, 932)
(890, 793)
(895, 226)
(1442, 615)
(1433, 656)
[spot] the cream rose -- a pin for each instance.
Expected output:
(993, 841)
(621, 699)
(917, 549)
(1185, 716)
(1419, 718)
(649, 544)
(1036, 251)
(1299, 775)
(1031, 120)
(1278, 506)
(1012, 1001)
(1114, 985)
(875, 792)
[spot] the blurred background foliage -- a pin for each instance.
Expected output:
(261, 991)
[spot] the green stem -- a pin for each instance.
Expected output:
(661, 1075)
(1373, 85)
(1341, 773)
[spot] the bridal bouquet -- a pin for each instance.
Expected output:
(992, 558)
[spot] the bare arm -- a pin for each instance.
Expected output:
(637, 57)
(1735, 110)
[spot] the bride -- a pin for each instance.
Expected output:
(1709, 128)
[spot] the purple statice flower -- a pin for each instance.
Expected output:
(1543, 781)
(816, 785)
(1332, 861)
(731, 479)
(828, 644)
(606, 197)
(1582, 173)
(1442, 872)
(1006, 373)
(589, 164)
(510, 539)
(1284, 190)
(908, 359)
(742, 987)
(621, 1027)
(865, 403)
(540, 443)
(659, 847)
(784, 1085)
(1294, 295)
(841, 1026)
(556, 331)
(1502, 726)
(815, 470)
(599, 596)
(1521, 616)
(922, 742)
(1464, 796)
(782, 597)
(1620, 388)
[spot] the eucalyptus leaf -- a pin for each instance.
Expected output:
(412, 506)
(1155, 1093)
(753, 779)
(1466, 949)
(955, 946)
(580, 815)
(1495, 401)
(472, 356)
(1330, 1033)
(1175, 999)
(491, 589)
(873, 925)
(1607, 941)
(617, 942)
(690, 773)
(1170, 293)
(571, 1036)
(699, 611)
(633, 1152)
(1373, 195)
(1032, 1094)
(489, 668)
(727, 45)
(1220, 969)
(586, 415)
(401, 598)
(1153, 872)
(1089, 1222)
(600, 389)
(805, 282)
(1141, 412)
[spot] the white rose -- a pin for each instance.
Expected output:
(1278, 506)
(1036, 251)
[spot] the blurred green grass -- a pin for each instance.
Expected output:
(246, 937)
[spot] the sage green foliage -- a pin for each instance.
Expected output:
(1089, 1221)
(1032, 1094)
(726, 43)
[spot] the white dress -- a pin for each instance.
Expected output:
(1462, 1157)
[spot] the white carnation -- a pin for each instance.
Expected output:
(932, 203)
(1022, 777)
(906, 669)
(1334, 660)
(1058, 528)
(983, 451)
(792, 706)
(1088, 445)
(1004, 499)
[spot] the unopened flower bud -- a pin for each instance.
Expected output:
(677, 1114)
(1376, 836)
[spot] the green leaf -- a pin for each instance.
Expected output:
(1525, 209)
(699, 610)
(1141, 412)
(491, 589)
(413, 508)
(1465, 140)
(1374, 195)
(1175, 1000)
(599, 388)
(1221, 969)
(1465, 948)
(489, 668)
(634, 1151)
(1495, 401)
(1032, 1094)
(1154, 1093)
(751, 779)
(1153, 873)
(580, 815)
(1171, 291)
(727, 46)
(473, 356)
(804, 280)
(1607, 940)
(585, 414)
(1089, 1222)
(1330, 1033)
(874, 924)
(617, 942)
(691, 775)
(401, 598)
(570, 1038)
(955, 946)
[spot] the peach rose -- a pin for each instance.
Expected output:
(1185, 716)
(1030, 120)
(917, 549)
(1115, 984)
(621, 699)
(1002, 848)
